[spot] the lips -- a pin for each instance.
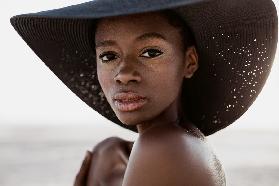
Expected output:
(128, 97)
(129, 101)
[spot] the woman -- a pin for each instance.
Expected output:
(154, 56)
(149, 74)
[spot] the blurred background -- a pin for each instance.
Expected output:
(45, 129)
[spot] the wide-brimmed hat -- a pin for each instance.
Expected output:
(235, 39)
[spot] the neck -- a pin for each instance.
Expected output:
(173, 115)
(161, 120)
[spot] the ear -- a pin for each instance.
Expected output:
(191, 62)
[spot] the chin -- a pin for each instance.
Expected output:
(131, 119)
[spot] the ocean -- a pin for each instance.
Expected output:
(52, 155)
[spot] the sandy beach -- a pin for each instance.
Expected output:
(51, 156)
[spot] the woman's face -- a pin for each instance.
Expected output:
(143, 54)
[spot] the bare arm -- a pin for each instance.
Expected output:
(106, 164)
(81, 177)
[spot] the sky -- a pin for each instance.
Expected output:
(31, 94)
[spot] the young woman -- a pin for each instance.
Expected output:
(173, 72)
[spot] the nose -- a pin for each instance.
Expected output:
(127, 73)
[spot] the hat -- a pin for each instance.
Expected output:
(236, 43)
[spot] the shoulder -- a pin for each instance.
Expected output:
(173, 158)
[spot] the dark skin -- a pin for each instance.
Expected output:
(170, 150)
(106, 164)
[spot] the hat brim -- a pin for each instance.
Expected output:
(236, 43)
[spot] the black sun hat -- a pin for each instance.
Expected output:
(236, 42)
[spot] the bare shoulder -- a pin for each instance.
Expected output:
(173, 158)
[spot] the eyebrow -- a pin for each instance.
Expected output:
(140, 38)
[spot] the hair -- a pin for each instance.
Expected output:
(177, 21)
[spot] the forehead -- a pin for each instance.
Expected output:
(133, 25)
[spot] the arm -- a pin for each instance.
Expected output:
(106, 164)
(81, 177)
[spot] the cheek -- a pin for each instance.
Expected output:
(167, 82)
(171, 72)
(103, 78)
(173, 75)
(169, 87)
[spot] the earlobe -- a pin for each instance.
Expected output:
(191, 62)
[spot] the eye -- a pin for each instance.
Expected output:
(108, 56)
(151, 53)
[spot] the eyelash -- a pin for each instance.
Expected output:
(105, 54)
(113, 53)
